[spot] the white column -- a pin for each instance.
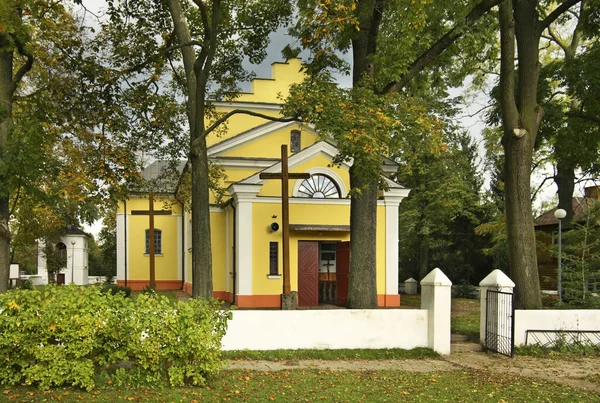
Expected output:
(436, 299)
(497, 281)
(180, 244)
(121, 252)
(392, 199)
(228, 269)
(187, 245)
(244, 196)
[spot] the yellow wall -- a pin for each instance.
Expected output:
(263, 91)
(219, 249)
(283, 75)
(239, 123)
(299, 214)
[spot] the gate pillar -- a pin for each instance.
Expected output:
(436, 299)
(497, 281)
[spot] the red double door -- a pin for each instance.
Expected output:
(308, 273)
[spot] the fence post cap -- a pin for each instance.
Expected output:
(436, 277)
(410, 280)
(497, 278)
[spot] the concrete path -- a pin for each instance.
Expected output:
(575, 372)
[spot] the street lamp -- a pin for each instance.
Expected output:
(73, 262)
(559, 214)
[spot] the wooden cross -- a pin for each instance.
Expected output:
(151, 213)
(284, 176)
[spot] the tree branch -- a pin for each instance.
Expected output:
(223, 118)
(441, 45)
(554, 37)
(24, 68)
(558, 11)
(584, 116)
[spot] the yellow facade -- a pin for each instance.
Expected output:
(247, 256)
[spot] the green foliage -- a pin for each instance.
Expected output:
(581, 259)
(63, 335)
(115, 289)
(465, 290)
(438, 219)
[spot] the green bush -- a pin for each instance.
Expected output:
(63, 335)
(114, 289)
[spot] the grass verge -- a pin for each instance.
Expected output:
(313, 385)
(466, 324)
(345, 354)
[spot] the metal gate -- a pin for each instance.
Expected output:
(500, 322)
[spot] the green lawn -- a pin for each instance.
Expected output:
(329, 386)
(343, 354)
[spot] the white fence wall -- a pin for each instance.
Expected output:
(327, 329)
(349, 328)
(554, 320)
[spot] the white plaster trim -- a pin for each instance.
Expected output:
(391, 249)
(273, 276)
(243, 250)
(179, 246)
(227, 252)
(305, 200)
(395, 195)
(215, 209)
(242, 163)
(243, 192)
(324, 171)
(248, 105)
(187, 247)
(120, 246)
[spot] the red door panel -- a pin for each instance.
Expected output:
(308, 274)
(342, 261)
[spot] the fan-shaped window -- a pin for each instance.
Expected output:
(319, 187)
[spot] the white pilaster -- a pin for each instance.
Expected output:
(180, 242)
(228, 269)
(121, 253)
(392, 199)
(244, 196)
(436, 299)
(187, 236)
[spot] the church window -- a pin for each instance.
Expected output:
(273, 258)
(319, 186)
(295, 144)
(157, 241)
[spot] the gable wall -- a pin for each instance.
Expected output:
(270, 146)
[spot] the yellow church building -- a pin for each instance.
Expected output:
(246, 226)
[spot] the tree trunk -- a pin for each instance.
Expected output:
(362, 278)
(565, 182)
(6, 123)
(201, 244)
(521, 116)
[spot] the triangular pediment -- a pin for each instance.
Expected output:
(254, 135)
